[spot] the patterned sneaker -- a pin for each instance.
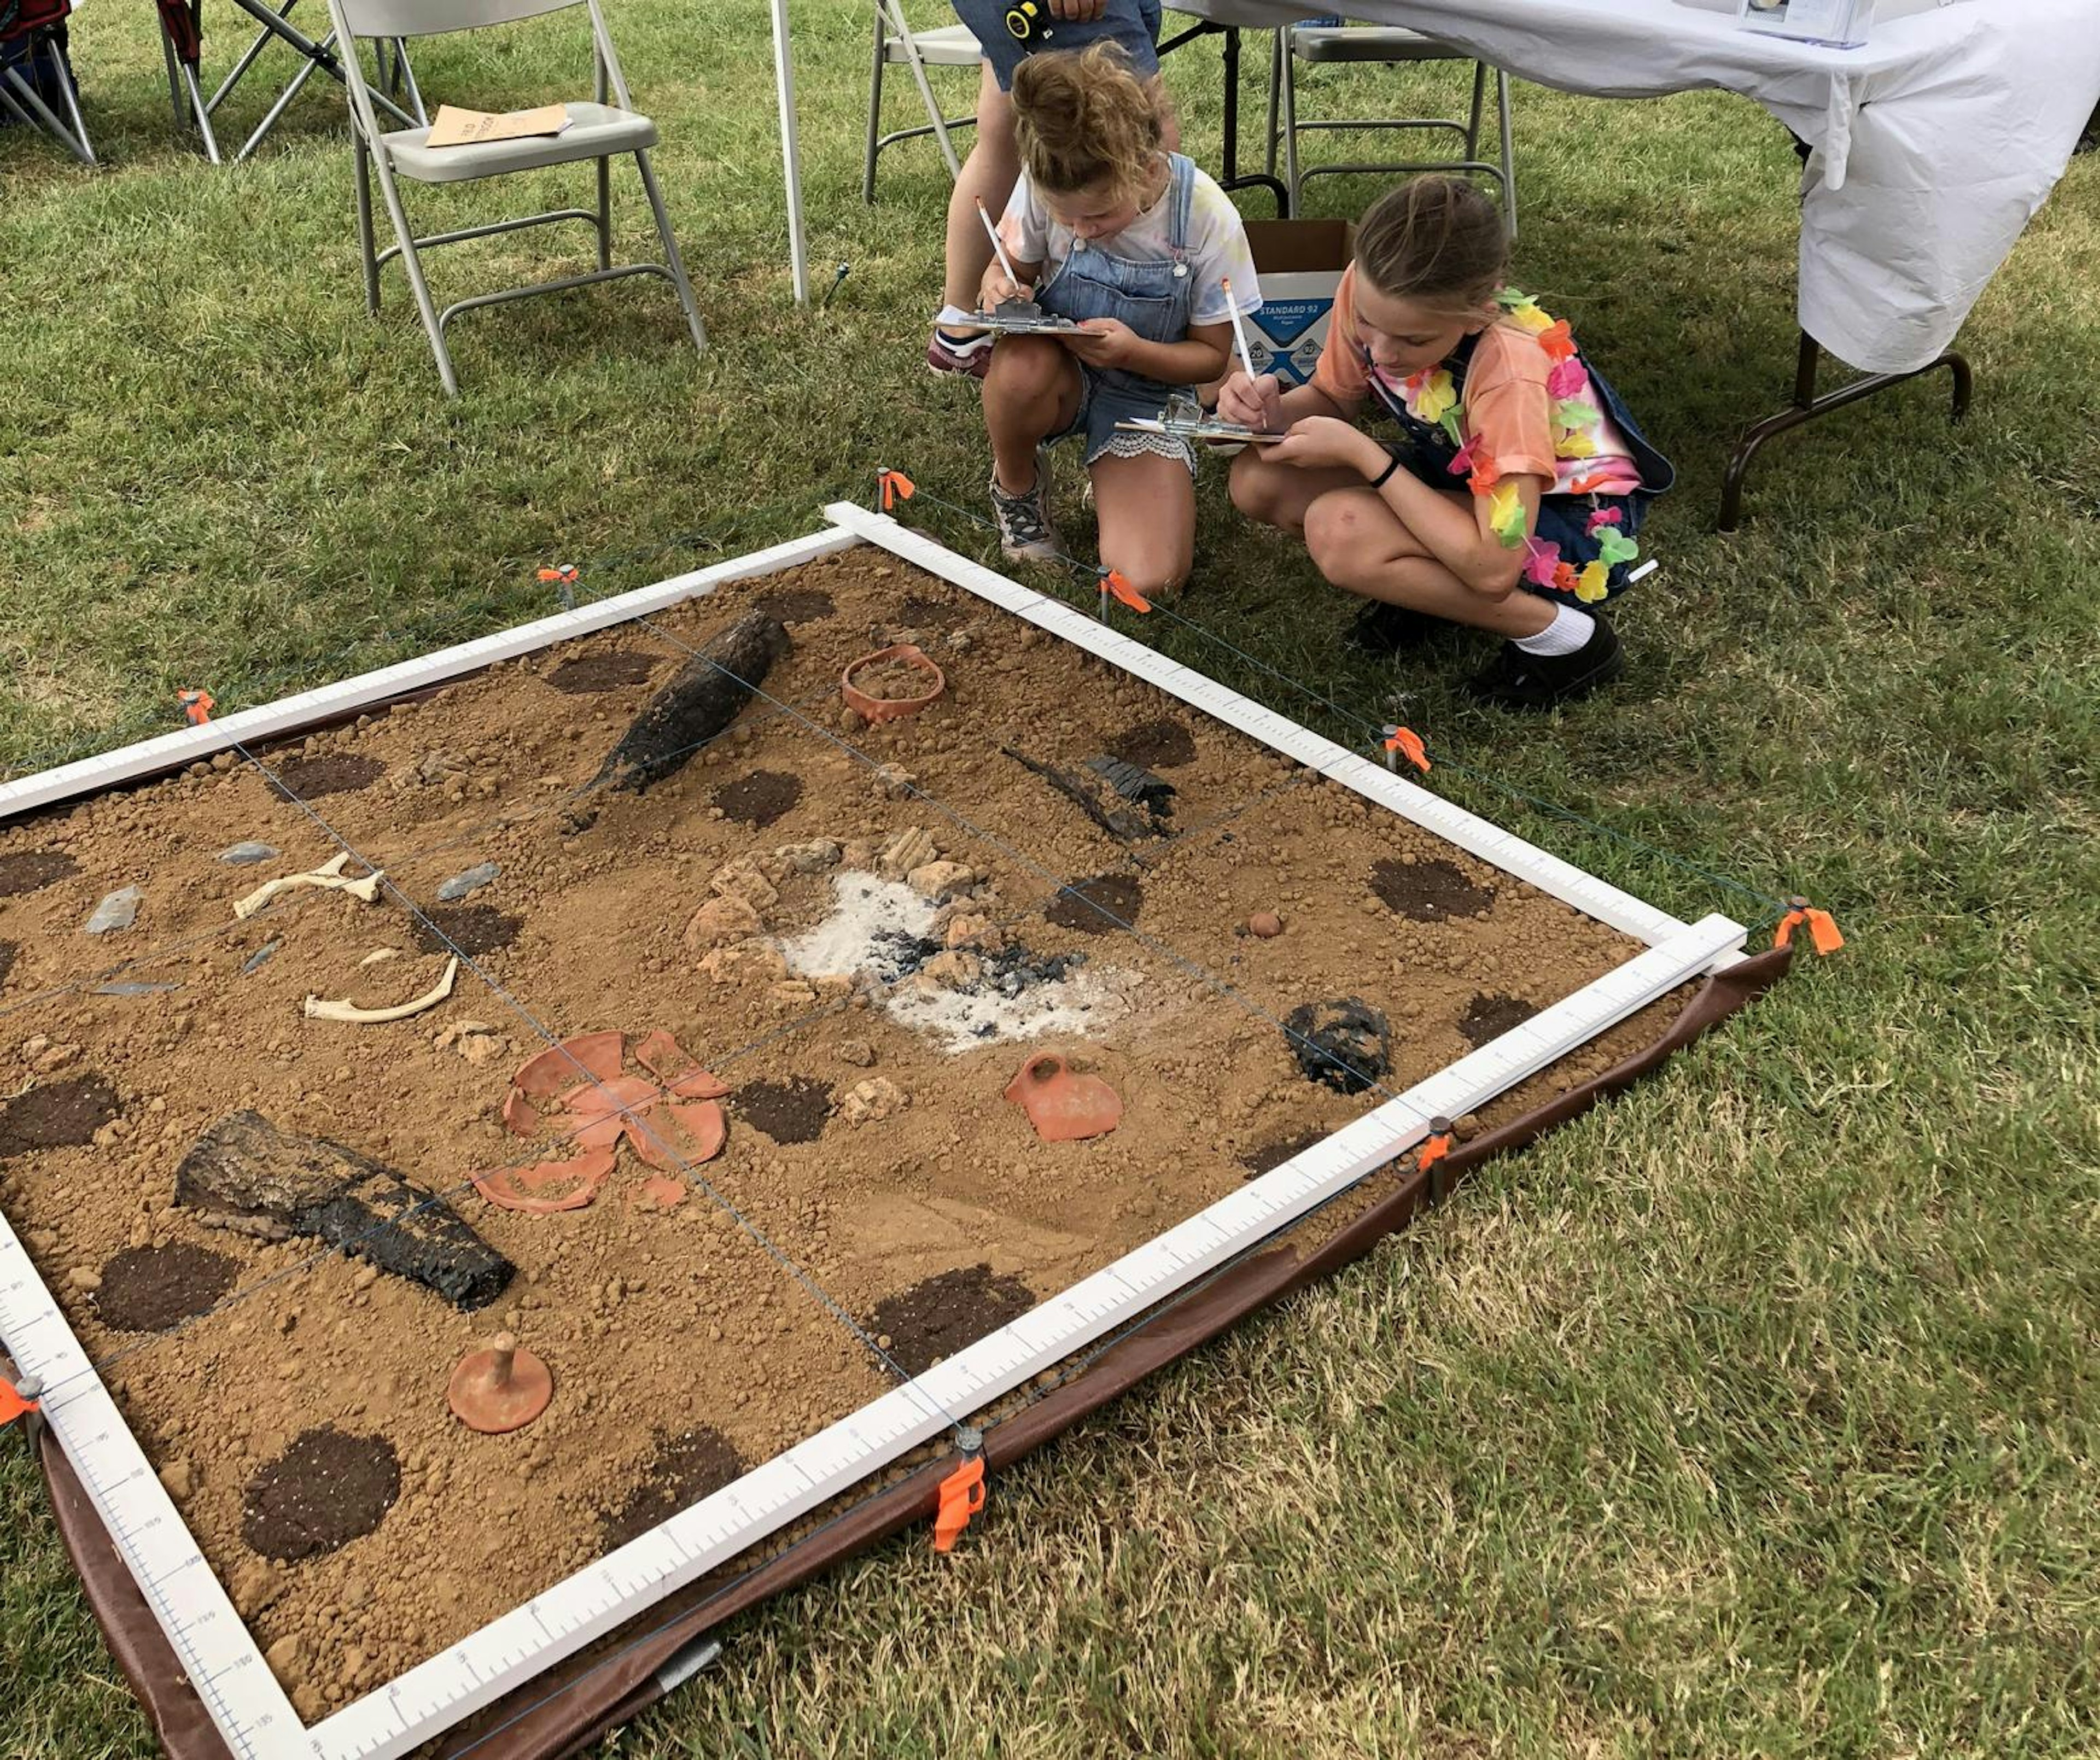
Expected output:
(968, 355)
(1024, 520)
(1516, 680)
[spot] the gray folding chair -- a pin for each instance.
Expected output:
(898, 45)
(598, 130)
(1320, 44)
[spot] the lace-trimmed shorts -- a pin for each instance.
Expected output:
(1102, 405)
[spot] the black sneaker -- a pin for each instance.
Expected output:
(1386, 630)
(1517, 680)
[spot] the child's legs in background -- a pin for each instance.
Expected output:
(1032, 391)
(1146, 506)
(1360, 546)
(1278, 495)
(989, 175)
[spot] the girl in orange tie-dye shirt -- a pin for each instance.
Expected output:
(1512, 501)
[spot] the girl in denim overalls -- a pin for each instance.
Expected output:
(1138, 245)
(1512, 501)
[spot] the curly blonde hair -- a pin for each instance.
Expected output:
(1086, 118)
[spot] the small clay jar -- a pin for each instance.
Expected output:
(875, 710)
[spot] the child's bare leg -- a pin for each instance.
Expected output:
(1278, 495)
(1031, 391)
(1146, 506)
(989, 175)
(1360, 546)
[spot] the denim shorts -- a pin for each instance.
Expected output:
(1103, 402)
(1009, 31)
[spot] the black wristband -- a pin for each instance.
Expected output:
(1392, 464)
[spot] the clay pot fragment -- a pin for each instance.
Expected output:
(499, 1389)
(1064, 1105)
(886, 664)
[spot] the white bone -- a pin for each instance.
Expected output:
(319, 1010)
(328, 876)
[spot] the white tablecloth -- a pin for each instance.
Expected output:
(1935, 143)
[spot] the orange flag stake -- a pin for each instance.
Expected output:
(1822, 927)
(1408, 744)
(962, 1496)
(12, 1405)
(565, 573)
(197, 704)
(1436, 1147)
(1114, 581)
(895, 487)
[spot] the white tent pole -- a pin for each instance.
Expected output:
(783, 83)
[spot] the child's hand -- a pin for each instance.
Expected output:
(1103, 342)
(1256, 404)
(1327, 443)
(997, 288)
(1085, 11)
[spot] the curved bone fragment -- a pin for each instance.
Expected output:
(319, 1010)
(329, 877)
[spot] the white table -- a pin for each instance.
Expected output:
(1929, 149)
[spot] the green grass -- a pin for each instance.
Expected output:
(1754, 1414)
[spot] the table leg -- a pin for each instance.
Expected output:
(1232, 179)
(1807, 405)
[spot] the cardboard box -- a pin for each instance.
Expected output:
(1300, 264)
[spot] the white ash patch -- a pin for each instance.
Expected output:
(884, 930)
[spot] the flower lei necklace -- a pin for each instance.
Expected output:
(1432, 397)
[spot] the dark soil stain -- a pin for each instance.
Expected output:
(1489, 1016)
(33, 869)
(472, 929)
(793, 1111)
(309, 778)
(1165, 744)
(939, 1316)
(589, 672)
(8, 950)
(1081, 905)
(56, 1115)
(1273, 1154)
(685, 1470)
(919, 612)
(148, 1289)
(797, 605)
(1428, 891)
(322, 1493)
(1343, 1043)
(759, 799)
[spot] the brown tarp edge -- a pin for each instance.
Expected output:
(574, 1704)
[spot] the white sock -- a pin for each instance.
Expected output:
(950, 316)
(1566, 634)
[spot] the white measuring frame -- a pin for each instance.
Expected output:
(218, 1655)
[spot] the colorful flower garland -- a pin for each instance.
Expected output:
(1432, 397)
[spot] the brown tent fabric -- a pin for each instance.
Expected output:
(573, 1704)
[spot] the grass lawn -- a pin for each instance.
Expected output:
(1755, 1413)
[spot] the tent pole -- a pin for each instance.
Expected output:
(784, 80)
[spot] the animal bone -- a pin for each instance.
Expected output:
(318, 1010)
(329, 877)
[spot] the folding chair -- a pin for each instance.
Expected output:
(34, 64)
(1323, 43)
(598, 131)
(897, 44)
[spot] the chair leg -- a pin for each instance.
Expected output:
(1508, 152)
(1275, 88)
(202, 112)
(72, 97)
(605, 214)
(672, 259)
(875, 110)
(407, 69)
(175, 86)
(1479, 105)
(1291, 182)
(364, 239)
(414, 265)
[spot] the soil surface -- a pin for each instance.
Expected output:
(149, 1289)
(472, 929)
(309, 778)
(590, 673)
(301, 1421)
(894, 680)
(1489, 1016)
(797, 605)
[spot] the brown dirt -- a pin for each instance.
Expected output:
(804, 605)
(148, 1289)
(63, 1115)
(891, 681)
(658, 1322)
(29, 871)
(590, 674)
(682, 1471)
(1489, 1016)
(1428, 892)
(1165, 744)
(324, 1491)
(1082, 905)
(308, 778)
(1267, 1158)
(918, 612)
(793, 1111)
(760, 798)
(8, 950)
(940, 1315)
(474, 928)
